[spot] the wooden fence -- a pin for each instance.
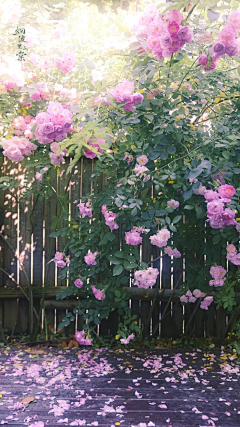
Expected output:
(26, 249)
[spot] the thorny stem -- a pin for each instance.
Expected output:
(192, 315)
(191, 11)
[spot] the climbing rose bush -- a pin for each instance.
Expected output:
(156, 109)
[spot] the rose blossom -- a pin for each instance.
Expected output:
(226, 191)
(133, 238)
(233, 48)
(203, 59)
(100, 295)
(90, 258)
(218, 48)
(173, 204)
(38, 176)
(142, 160)
(215, 207)
(78, 283)
(211, 195)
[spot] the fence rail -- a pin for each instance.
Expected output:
(26, 249)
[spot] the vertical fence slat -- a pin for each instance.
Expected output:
(50, 211)
(10, 250)
(166, 284)
(63, 188)
(155, 315)
(221, 322)
(146, 305)
(25, 210)
(177, 314)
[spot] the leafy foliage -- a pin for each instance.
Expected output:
(188, 127)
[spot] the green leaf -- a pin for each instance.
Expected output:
(187, 194)
(117, 293)
(163, 155)
(129, 266)
(171, 149)
(131, 258)
(176, 219)
(120, 254)
(216, 239)
(55, 234)
(160, 212)
(188, 207)
(134, 211)
(149, 117)
(114, 260)
(195, 172)
(110, 236)
(118, 269)
(61, 325)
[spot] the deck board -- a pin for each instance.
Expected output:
(185, 388)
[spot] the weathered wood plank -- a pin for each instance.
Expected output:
(166, 330)
(146, 305)
(10, 248)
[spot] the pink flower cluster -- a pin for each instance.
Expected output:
(9, 84)
(23, 125)
(110, 218)
(128, 157)
(172, 252)
(55, 158)
(126, 340)
(68, 93)
(140, 167)
(100, 295)
(220, 216)
(78, 283)
(39, 176)
(227, 43)
(54, 124)
(60, 30)
(206, 302)
(15, 148)
(217, 273)
(140, 170)
(146, 278)
(42, 92)
(35, 59)
(133, 237)
(173, 204)
(67, 62)
(89, 153)
(165, 36)
(191, 297)
(123, 93)
(90, 258)
(80, 337)
(85, 209)
(232, 254)
(60, 260)
(161, 238)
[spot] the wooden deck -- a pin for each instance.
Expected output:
(108, 388)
